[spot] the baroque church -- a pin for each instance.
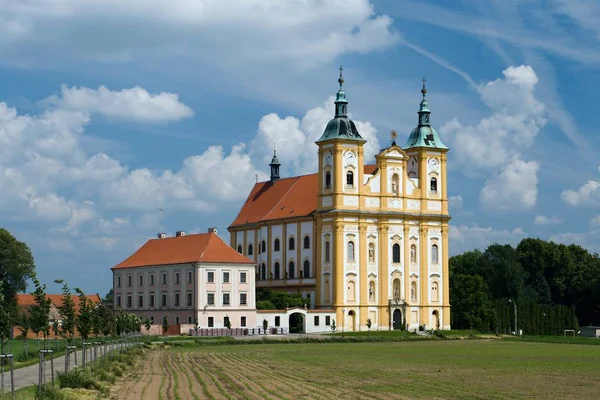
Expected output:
(369, 242)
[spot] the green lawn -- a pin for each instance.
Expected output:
(455, 369)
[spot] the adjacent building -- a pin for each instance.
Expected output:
(366, 241)
(187, 278)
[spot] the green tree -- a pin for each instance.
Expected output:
(147, 324)
(67, 311)
(471, 307)
(39, 312)
(5, 320)
(84, 320)
(369, 325)
(268, 299)
(109, 298)
(24, 323)
(165, 325)
(333, 327)
(16, 268)
(265, 326)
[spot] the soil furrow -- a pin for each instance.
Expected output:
(214, 382)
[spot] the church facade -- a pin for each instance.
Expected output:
(368, 241)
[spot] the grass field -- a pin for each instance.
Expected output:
(448, 369)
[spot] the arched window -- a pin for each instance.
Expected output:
(350, 251)
(276, 245)
(351, 291)
(395, 184)
(433, 185)
(292, 244)
(435, 292)
(263, 246)
(306, 269)
(396, 253)
(327, 180)
(250, 249)
(291, 271)
(413, 291)
(306, 242)
(240, 249)
(277, 271)
(434, 253)
(350, 178)
(263, 272)
(327, 251)
(413, 253)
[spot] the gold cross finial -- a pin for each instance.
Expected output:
(341, 80)
(424, 90)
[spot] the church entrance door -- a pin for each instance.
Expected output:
(397, 319)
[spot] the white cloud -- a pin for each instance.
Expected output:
(515, 187)
(227, 32)
(543, 220)
(595, 221)
(464, 238)
(295, 139)
(495, 144)
(588, 193)
(456, 202)
(130, 104)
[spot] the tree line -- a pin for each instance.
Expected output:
(554, 287)
(17, 267)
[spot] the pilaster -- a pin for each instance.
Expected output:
(406, 273)
(337, 272)
(269, 251)
(363, 271)
(445, 279)
(423, 179)
(338, 177)
(317, 260)
(384, 315)
(299, 245)
(444, 185)
(423, 275)
(232, 241)
(245, 245)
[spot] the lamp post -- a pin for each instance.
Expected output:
(514, 303)
(343, 320)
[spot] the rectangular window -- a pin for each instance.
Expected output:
(242, 277)
(141, 280)
(211, 277)
(141, 301)
(243, 300)
(151, 279)
(328, 320)
(189, 320)
(164, 300)
(151, 300)
(128, 301)
(225, 321)
(176, 320)
(164, 279)
(189, 277)
(118, 281)
(225, 299)
(243, 322)
(118, 301)
(177, 278)
(189, 299)
(210, 299)
(129, 280)
(176, 299)
(225, 277)
(316, 320)
(277, 321)
(211, 322)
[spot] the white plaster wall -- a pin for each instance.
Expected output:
(375, 183)
(239, 240)
(306, 229)
(250, 241)
(276, 256)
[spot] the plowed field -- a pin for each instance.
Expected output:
(431, 370)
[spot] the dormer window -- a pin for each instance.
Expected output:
(433, 185)
(327, 180)
(350, 178)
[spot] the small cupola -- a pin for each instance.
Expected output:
(275, 164)
(424, 135)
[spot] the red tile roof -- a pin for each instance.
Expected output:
(26, 300)
(285, 198)
(194, 248)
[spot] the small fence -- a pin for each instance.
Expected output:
(237, 331)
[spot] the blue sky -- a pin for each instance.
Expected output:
(110, 110)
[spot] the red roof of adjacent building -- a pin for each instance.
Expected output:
(194, 248)
(26, 300)
(284, 198)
